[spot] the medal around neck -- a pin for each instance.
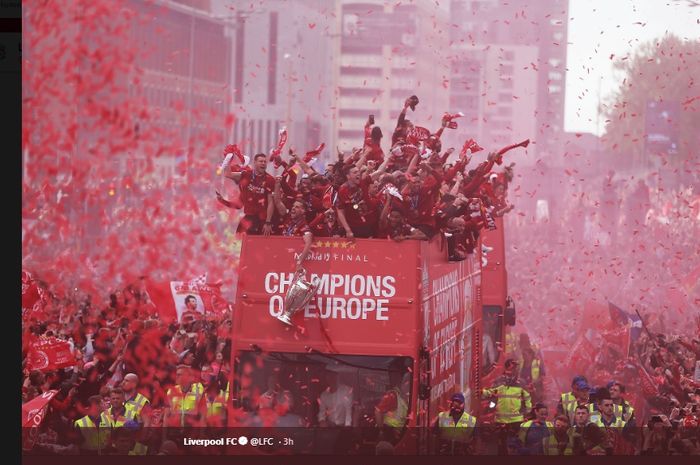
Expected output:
(299, 294)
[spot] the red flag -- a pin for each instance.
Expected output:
(49, 353)
(329, 197)
(33, 299)
(417, 134)
(30, 291)
(189, 299)
(470, 145)
(33, 413)
(314, 153)
(648, 385)
(274, 153)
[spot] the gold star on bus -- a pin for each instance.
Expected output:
(336, 243)
(344, 245)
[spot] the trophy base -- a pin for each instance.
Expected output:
(284, 318)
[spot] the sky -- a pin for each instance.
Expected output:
(600, 28)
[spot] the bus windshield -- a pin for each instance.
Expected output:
(314, 389)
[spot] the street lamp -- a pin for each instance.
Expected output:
(288, 120)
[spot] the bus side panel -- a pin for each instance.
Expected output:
(365, 303)
(494, 291)
(494, 288)
(447, 290)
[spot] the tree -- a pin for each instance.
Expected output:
(664, 70)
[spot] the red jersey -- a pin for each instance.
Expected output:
(376, 153)
(255, 189)
(420, 204)
(295, 228)
(355, 202)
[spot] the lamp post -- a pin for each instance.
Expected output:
(288, 119)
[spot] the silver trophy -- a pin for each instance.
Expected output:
(299, 294)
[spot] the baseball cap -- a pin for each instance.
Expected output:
(457, 396)
(581, 385)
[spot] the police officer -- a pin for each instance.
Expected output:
(455, 428)
(117, 414)
(621, 407)
(577, 396)
(534, 432)
(134, 400)
(183, 399)
(560, 441)
(95, 435)
(392, 411)
(511, 400)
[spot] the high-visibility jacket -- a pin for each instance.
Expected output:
(95, 437)
(107, 418)
(535, 369)
(511, 343)
(616, 422)
(460, 431)
(593, 413)
(510, 401)
(184, 403)
(136, 404)
(525, 429)
(397, 418)
(551, 445)
(568, 404)
(217, 406)
(623, 410)
(139, 449)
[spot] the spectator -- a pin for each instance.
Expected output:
(335, 402)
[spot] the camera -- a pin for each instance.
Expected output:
(371, 119)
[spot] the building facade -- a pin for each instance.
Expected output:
(385, 53)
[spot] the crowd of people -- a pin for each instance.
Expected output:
(131, 372)
(134, 371)
(411, 192)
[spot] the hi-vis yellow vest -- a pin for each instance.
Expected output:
(397, 418)
(216, 407)
(136, 404)
(460, 431)
(139, 449)
(617, 423)
(551, 445)
(535, 369)
(95, 438)
(185, 403)
(524, 428)
(509, 402)
(623, 410)
(568, 403)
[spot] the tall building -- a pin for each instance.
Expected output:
(183, 70)
(519, 23)
(494, 87)
(386, 52)
(281, 73)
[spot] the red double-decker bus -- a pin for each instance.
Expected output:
(386, 316)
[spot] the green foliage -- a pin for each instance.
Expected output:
(664, 70)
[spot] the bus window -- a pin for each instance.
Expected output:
(326, 390)
(491, 330)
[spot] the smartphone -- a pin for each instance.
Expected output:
(371, 119)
